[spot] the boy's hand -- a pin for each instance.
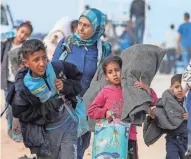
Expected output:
(152, 111)
(141, 84)
(185, 116)
(59, 84)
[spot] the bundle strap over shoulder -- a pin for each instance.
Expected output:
(66, 47)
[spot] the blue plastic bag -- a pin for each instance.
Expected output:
(111, 140)
(80, 112)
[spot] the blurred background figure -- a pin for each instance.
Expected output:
(109, 34)
(137, 10)
(61, 29)
(169, 61)
(74, 26)
(87, 7)
(125, 38)
(184, 40)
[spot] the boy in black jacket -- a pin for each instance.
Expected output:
(36, 102)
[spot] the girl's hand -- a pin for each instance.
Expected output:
(140, 84)
(108, 115)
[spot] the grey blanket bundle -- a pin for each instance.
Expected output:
(140, 62)
(169, 116)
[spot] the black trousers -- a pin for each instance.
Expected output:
(132, 149)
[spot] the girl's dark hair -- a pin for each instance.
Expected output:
(27, 24)
(110, 59)
(31, 46)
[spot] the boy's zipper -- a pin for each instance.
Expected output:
(47, 83)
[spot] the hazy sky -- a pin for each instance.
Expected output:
(44, 13)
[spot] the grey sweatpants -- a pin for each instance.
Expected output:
(63, 141)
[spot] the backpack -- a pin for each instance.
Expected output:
(80, 110)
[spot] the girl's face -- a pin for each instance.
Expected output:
(84, 29)
(22, 34)
(113, 73)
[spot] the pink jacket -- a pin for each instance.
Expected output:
(111, 98)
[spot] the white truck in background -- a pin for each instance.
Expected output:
(8, 25)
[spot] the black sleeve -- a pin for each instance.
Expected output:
(2, 50)
(39, 113)
(23, 110)
(72, 83)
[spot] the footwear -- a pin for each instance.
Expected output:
(32, 156)
(188, 152)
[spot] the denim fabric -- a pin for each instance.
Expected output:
(189, 117)
(63, 140)
(83, 144)
(186, 56)
(176, 148)
(9, 118)
(9, 115)
(139, 30)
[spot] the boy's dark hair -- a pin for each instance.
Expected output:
(176, 78)
(110, 59)
(172, 26)
(74, 24)
(27, 24)
(187, 15)
(31, 46)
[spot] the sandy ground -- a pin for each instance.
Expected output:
(13, 150)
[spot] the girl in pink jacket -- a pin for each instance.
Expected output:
(110, 99)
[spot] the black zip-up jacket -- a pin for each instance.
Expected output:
(28, 108)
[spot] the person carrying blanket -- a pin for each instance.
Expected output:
(140, 63)
(109, 100)
(169, 117)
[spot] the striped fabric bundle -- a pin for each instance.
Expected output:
(186, 78)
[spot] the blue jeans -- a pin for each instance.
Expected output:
(176, 148)
(9, 118)
(139, 30)
(186, 56)
(188, 105)
(83, 144)
(63, 140)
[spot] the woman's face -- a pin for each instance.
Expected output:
(84, 29)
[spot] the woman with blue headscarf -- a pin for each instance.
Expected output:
(85, 49)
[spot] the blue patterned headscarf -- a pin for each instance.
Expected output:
(98, 21)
